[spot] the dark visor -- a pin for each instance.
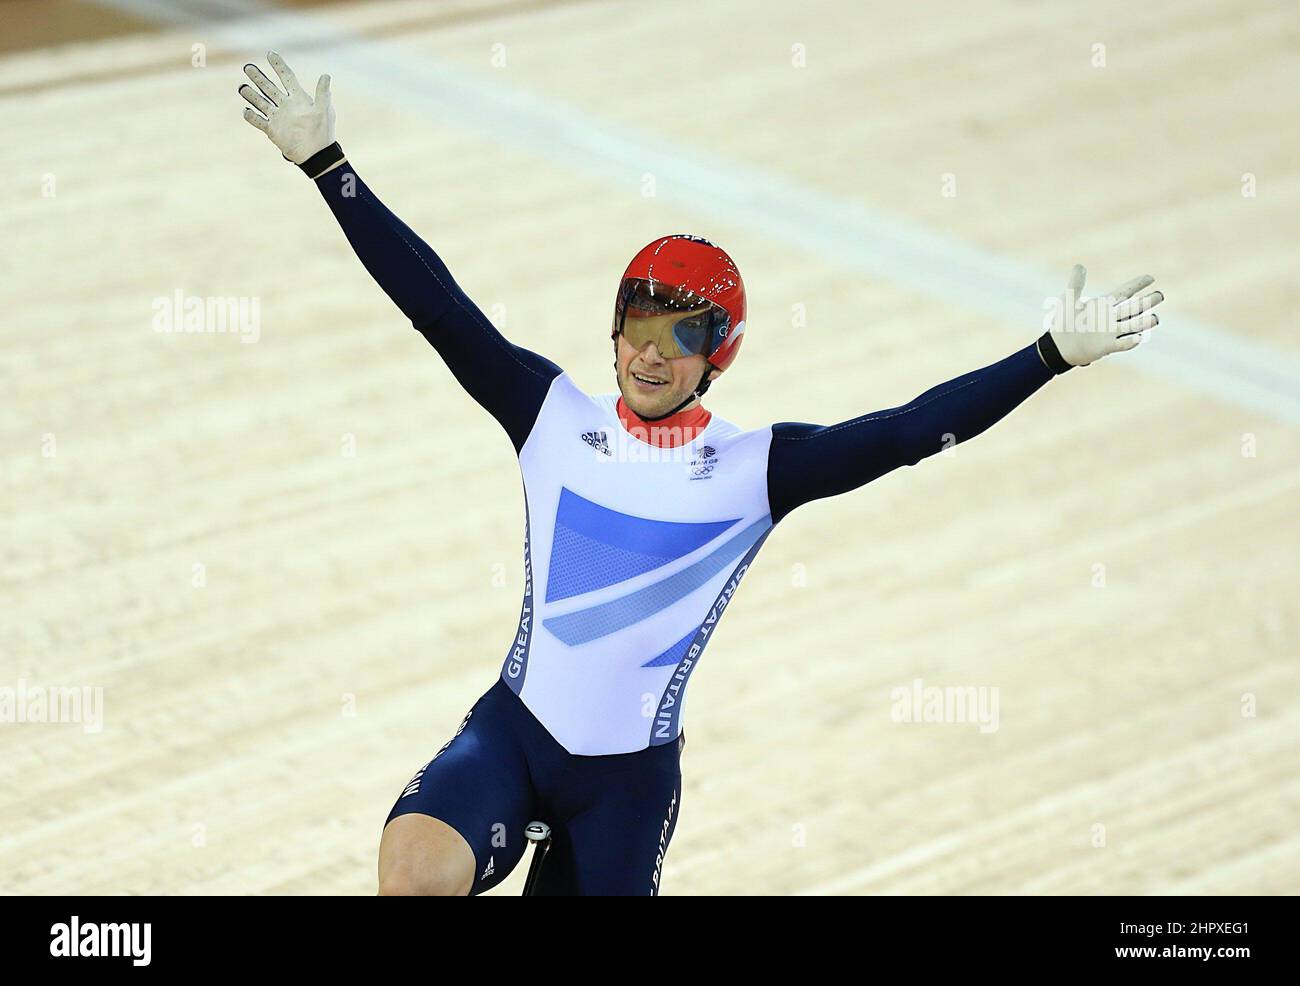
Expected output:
(677, 321)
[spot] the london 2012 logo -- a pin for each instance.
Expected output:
(702, 465)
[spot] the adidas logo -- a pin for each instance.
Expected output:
(597, 440)
(491, 868)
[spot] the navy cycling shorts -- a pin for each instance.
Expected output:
(611, 817)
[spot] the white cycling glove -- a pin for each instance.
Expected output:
(1081, 331)
(301, 127)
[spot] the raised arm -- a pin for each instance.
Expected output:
(509, 381)
(808, 462)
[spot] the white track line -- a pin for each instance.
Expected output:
(841, 232)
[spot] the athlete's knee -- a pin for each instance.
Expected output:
(421, 856)
(425, 880)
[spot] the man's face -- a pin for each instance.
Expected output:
(673, 378)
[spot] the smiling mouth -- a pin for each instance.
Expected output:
(648, 381)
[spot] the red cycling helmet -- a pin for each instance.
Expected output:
(687, 275)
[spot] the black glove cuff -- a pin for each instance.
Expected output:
(322, 161)
(1050, 355)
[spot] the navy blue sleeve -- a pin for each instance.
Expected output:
(508, 381)
(808, 462)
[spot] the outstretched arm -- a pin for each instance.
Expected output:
(808, 462)
(509, 381)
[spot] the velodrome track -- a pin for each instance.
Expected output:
(1118, 558)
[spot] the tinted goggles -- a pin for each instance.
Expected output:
(677, 321)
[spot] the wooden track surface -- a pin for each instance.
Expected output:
(258, 726)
